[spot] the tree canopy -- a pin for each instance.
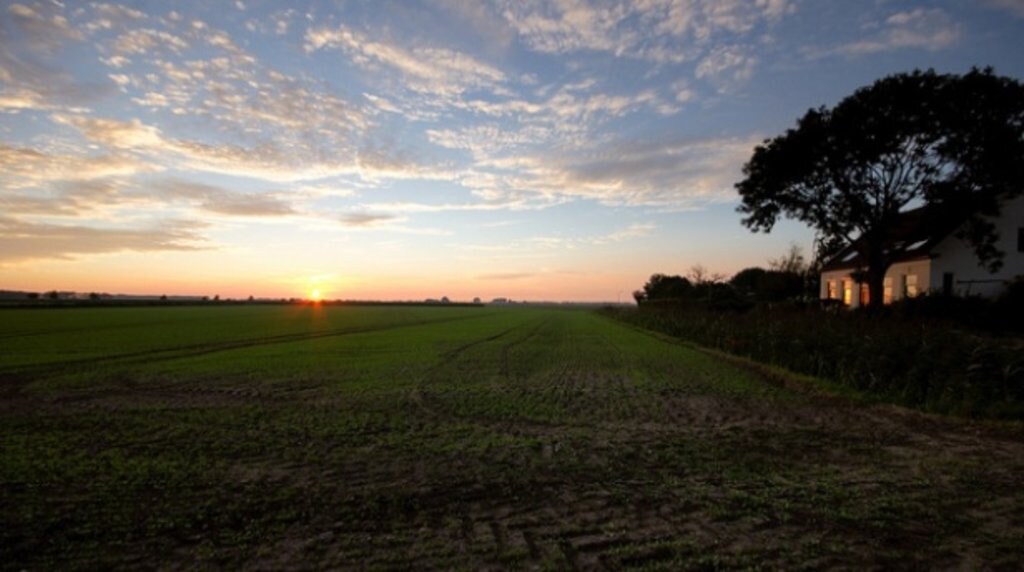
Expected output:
(952, 142)
(663, 287)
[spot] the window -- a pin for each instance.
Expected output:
(865, 295)
(832, 290)
(887, 291)
(847, 292)
(910, 285)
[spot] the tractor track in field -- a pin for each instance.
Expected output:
(422, 396)
(20, 374)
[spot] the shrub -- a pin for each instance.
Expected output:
(897, 356)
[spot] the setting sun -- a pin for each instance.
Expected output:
(315, 296)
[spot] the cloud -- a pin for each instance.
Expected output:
(726, 67)
(117, 12)
(646, 29)
(31, 73)
(506, 276)
(666, 174)
(365, 220)
(195, 71)
(929, 29)
(146, 41)
(566, 118)
(424, 68)
(22, 99)
(222, 201)
(268, 161)
(22, 166)
(1015, 7)
(63, 198)
(42, 27)
(22, 241)
(635, 230)
(132, 134)
(479, 19)
(567, 26)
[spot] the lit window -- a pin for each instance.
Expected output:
(910, 285)
(887, 291)
(833, 290)
(865, 295)
(847, 292)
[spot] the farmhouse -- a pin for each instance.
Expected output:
(928, 257)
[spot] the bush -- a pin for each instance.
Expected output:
(896, 355)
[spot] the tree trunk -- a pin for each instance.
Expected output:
(877, 267)
(876, 289)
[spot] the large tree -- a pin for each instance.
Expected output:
(662, 288)
(954, 143)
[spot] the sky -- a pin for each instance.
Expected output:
(378, 149)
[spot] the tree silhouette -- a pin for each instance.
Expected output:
(953, 143)
(768, 285)
(662, 287)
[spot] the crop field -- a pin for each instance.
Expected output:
(270, 437)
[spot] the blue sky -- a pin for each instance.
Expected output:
(558, 150)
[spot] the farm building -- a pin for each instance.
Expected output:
(929, 257)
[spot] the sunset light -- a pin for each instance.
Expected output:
(531, 150)
(511, 284)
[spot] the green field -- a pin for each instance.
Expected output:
(273, 437)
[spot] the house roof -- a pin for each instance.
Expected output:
(912, 236)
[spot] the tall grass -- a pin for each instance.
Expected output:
(918, 362)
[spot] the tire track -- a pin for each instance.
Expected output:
(432, 406)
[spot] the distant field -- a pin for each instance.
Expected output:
(273, 437)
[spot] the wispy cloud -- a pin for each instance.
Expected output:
(635, 230)
(673, 174)
(726, 67)
(929, 29)
(268, 161)
(221, 201)
(425, 68)
(368, 220)
(506, 276)
(22, 241)
(42, 26)
(1015, 7)
(648, 30)
(386, 222)
(22, 167)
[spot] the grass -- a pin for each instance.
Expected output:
(466, 438)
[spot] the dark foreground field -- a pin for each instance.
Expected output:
(467, 438)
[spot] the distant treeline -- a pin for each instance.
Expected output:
(130, 302)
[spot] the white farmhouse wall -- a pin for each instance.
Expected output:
(897, 275)
(969, 278)
(899, 272)
(952, 256)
